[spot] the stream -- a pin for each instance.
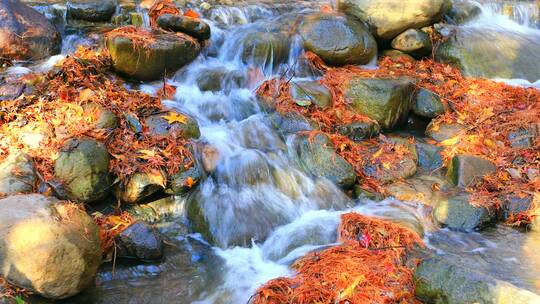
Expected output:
(258, 191)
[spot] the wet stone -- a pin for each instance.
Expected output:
(429, 156)
(192, 26)
(83, 168)
(89, 10)
(140, 241)
(338, 40)
(17, 174)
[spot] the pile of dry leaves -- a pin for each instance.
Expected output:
(368, 267)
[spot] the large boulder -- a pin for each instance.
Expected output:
(83, 169)
(317, 156)
(192, 26)
(17, 174)
(165, 53)
(441, 281)
(50, 247)
(90, 10)
(25, 34)
(492, 53)
(389, 18)
(338, 40)
(464, 170)
(458, 213)
(387, 101)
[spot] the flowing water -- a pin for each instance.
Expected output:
(264, 211)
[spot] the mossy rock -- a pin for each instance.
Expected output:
(427, 104)
(164, 55)
(440, 281)
(360, 130)
(311, 92)
(464, 170)
(491, 53)
(17, 174)
(337, 39)
(318, 157)
(457, 213)
(414, 42)
(387, 101)
(83, 168)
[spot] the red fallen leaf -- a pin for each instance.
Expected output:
(326, 8)
(191, 13)
(365, 240)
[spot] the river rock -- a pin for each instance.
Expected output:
(463, 11)
(419, 188)
(311, 92)
(265, 49)
(492, 53)
(427, 104)
(414, 42)
(10, 91)
(397, 55)
(443, 131)
(318, 157)
(101, 117)
(183, 181)
(192, 26)
(49, 247)
(83, 168)
(360, 130)
(524, 137)
(387, 101)
(389, 18)
(441, 281)
(217, 79)
(290, 123)
(464, 170)
(165, 54)
(248, 167)
(141, 185)
(139, 241)
(159, 126)
(405, 168)
(337, 39)
(90, 10)
(429, 156)
(457, 213)
(17, 174)
(25, 34)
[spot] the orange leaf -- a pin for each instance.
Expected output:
(191, 14)
(173, 117)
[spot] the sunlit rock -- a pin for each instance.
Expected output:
(50, 247)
